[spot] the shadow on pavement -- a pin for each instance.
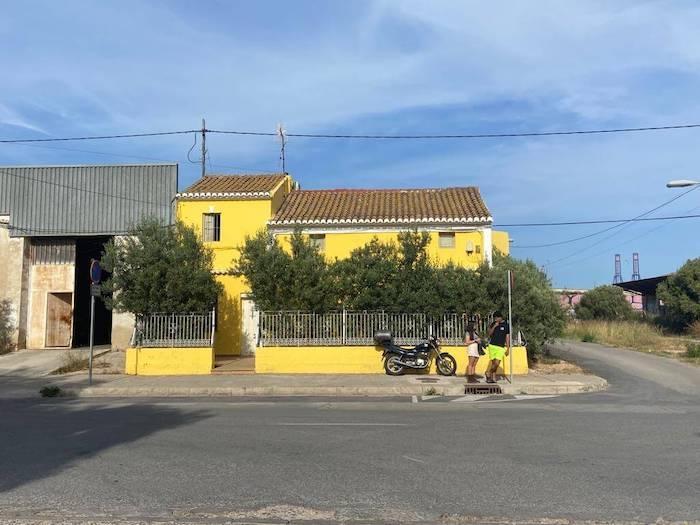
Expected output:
(40, 439)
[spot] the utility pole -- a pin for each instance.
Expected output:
(204, 148)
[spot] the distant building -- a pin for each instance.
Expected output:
(569, 298)
(53, 221)
(645, 289)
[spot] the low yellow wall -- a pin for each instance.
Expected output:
(358, 360)
(169, 361)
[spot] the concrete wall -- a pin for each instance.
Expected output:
(122, 329)
(45, 279)
(14, 270)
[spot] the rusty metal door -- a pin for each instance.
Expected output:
(59, 319)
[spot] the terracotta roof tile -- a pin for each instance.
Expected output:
(227, 186)
(443, 205)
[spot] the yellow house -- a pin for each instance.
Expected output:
(226, 208)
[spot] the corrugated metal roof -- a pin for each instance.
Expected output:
(85, 200)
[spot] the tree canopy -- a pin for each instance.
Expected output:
(681, 295)
(396, 277)
(159, 269)
(606, 303)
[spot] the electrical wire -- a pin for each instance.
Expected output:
(574, 254)
(602, 221)
(622, 225)
(364, 136)
(101, 137)
(462, 136)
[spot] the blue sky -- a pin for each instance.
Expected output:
(89, 68)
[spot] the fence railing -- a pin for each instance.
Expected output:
(358, 328)
(174, 330)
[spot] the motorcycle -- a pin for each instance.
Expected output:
(397, 358)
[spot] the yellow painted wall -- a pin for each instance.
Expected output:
(358, 360)
(339, 245)
(501, 242)
(239, 218)
(169, 361)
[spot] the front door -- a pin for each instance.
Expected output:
(59, 319)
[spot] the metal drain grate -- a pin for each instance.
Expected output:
(482, 389)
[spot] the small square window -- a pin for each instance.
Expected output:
(318, 240)
(478, 248)
(447, 239)
(211, 227)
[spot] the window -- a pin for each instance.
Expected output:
(52, 251)
(318, 240)
(212, 227)
(447, 240)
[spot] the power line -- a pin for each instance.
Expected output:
(622, 225)
(574, 254)
(364, 136)
(624, 243)
(100, 137)
(604, 221)
(462, 136)
(141, 157)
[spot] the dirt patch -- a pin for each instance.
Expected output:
(555, 367)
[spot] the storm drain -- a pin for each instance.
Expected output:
(482, 388)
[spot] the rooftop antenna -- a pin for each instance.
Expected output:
(618, 269)
(635, 267)
(204, 148)
(282, 134)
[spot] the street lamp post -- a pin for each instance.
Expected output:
(681, 183)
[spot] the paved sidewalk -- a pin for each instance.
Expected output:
(370, 385)
(36, 363)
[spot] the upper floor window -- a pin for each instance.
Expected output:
(211, 227)
(318, 240)
(447, 239)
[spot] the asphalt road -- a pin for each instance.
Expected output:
(631, 453)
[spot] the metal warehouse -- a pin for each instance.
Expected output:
(53, 221)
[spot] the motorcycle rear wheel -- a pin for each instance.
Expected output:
(446, 365)
(392, 367)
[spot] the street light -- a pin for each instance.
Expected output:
(682, 183)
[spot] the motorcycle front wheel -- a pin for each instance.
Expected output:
(446, 365)
(392, 366)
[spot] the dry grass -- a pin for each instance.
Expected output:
(550, 365)
(628, 334)
(72, 362)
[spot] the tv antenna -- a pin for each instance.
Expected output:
(282, 134)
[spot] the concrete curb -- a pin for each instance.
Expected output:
(596, 384)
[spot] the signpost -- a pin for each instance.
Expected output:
(510, 322)
(95, 278)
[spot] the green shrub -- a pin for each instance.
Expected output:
(5, 327)
(681, 295)
(693, 350)
(604, 303)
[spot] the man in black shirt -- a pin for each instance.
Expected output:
(499, 344)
